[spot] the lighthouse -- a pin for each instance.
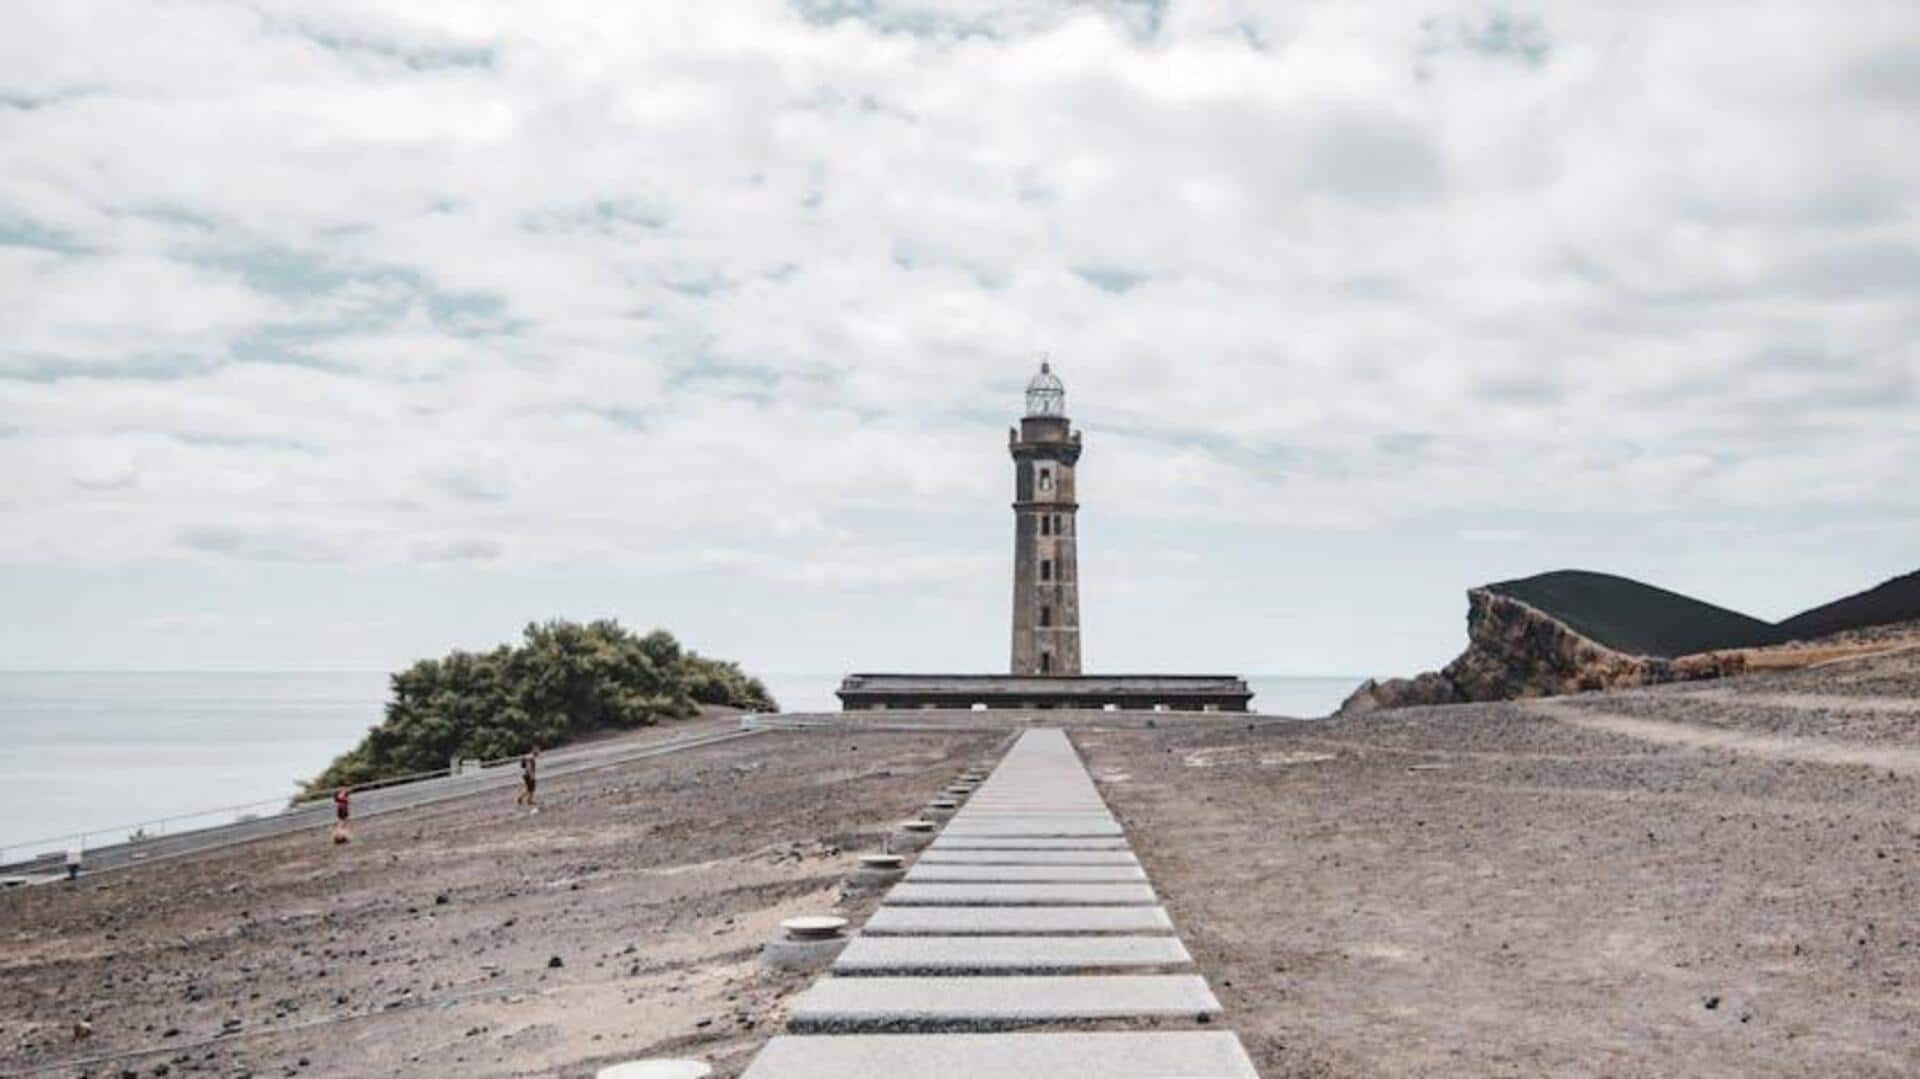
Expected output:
(1045, 670)
(1046, 566)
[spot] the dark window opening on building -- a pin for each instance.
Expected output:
(1046, 663)
(1056, 525)
(1046, 569)
(1046, 479)
(1046, 616)
(1046, 526)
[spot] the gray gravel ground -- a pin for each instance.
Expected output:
(1500, 889)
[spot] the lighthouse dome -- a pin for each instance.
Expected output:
(1045, 395)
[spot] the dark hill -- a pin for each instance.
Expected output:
(1897, 600)
(1572, 631)
(1635, 618)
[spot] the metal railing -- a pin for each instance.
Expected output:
(53, 850)
(49, 854)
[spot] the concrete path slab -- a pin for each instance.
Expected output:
(983, 804)
(947, 921)
(1091, 1055)
(1060, 788)
(1007, 955)
(961, 842)
(1033, 811)
(925, 1004)
(1002, 816)
(1031, 828)
(994, 791)
(935, 873)
(1042, 810)
(1092, 809)
(1027, 857)
(906, 894)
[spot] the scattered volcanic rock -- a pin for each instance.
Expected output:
(1427, 687)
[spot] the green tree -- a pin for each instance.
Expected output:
(564, 680)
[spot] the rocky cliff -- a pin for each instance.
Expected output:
(1517, 650)
(1570, 631)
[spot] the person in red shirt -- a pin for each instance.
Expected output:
(529, 766)
(341, 811)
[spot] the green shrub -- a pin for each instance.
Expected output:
(562, 681)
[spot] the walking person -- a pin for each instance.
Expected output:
(342, 809)
(529, 767)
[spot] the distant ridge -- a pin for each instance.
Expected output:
(1897, 600)
(1640, 620)
(1637, 619)
(1574, 631)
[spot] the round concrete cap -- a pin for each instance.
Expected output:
(882, 861)
(814, 927)
(943, 803)
(917, 825)
(656, 1069)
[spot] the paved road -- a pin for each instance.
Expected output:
(558, 762)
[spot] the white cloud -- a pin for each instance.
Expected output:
(670, 286)
(203, 622)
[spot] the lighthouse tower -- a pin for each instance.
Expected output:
(1046, 568)
(1046, 602)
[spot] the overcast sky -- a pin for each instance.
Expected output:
(336, 334)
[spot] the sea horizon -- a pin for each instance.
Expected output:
(103, 750)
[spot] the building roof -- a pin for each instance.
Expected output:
(1044, 684)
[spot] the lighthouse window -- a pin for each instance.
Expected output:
(1046, 616)
(1046, 479)
(1046, 569)
(1046, 663)
(1056, 525)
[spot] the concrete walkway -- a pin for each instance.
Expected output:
(1027, 911)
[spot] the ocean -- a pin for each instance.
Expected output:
(100, 751)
